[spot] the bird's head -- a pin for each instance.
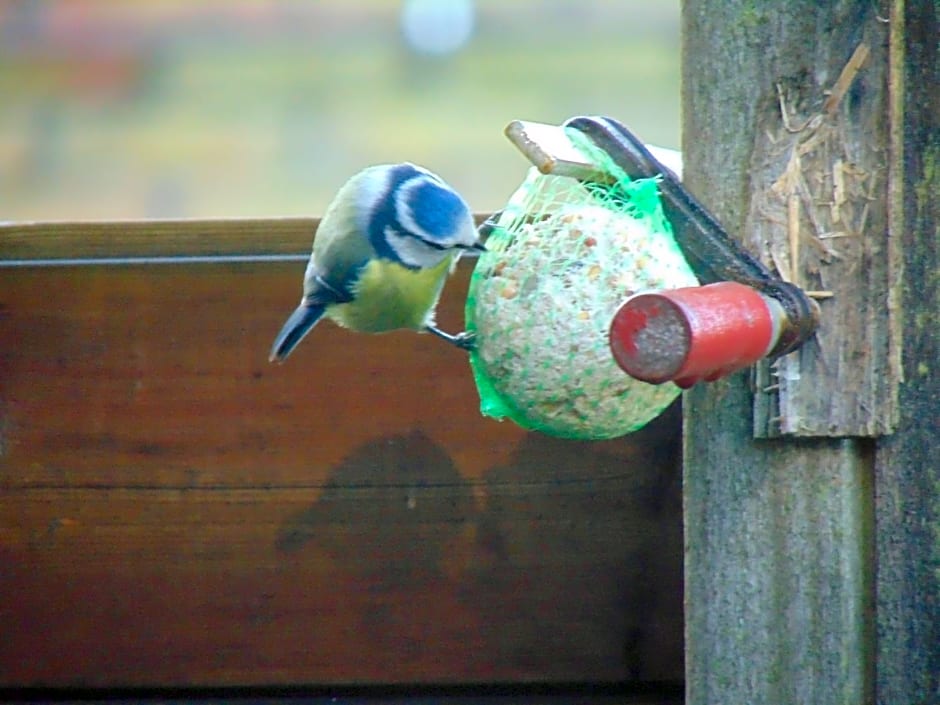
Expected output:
(414, 217)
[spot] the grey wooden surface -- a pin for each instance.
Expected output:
(813, 564)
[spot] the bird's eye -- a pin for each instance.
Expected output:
(430, 243)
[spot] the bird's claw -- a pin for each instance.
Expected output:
(465, 340)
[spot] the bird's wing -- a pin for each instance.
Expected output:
(340, 251)
(323, 292)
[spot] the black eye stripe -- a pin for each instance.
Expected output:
(430, 243)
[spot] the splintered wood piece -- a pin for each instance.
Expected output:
(551, 151)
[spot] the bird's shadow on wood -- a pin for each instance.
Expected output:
(387, 512)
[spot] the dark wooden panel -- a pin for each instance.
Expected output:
(141, 376)
(176, 511)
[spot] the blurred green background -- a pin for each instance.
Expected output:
(227, 108)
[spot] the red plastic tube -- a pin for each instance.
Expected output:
(692, 334)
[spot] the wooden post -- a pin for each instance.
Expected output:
(812, 494)
(907, 467)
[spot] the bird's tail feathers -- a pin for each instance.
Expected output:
(294, 329)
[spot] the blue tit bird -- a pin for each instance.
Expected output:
(381, 255)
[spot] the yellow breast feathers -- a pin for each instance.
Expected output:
(389, 296)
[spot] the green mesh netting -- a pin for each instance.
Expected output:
(562, 258)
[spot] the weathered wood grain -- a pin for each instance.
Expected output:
(142, 238)
(175, 511)
(817, 214)
(907, 467)
(777, 531)
(811, 564)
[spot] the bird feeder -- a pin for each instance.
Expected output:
(607, 288)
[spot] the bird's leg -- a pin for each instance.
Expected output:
(464, 340)
(489, 225)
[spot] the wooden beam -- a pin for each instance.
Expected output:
(907, 469)
(230, 238)
(813, 564)
(154, 238)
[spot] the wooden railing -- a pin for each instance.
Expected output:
(177, 511)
